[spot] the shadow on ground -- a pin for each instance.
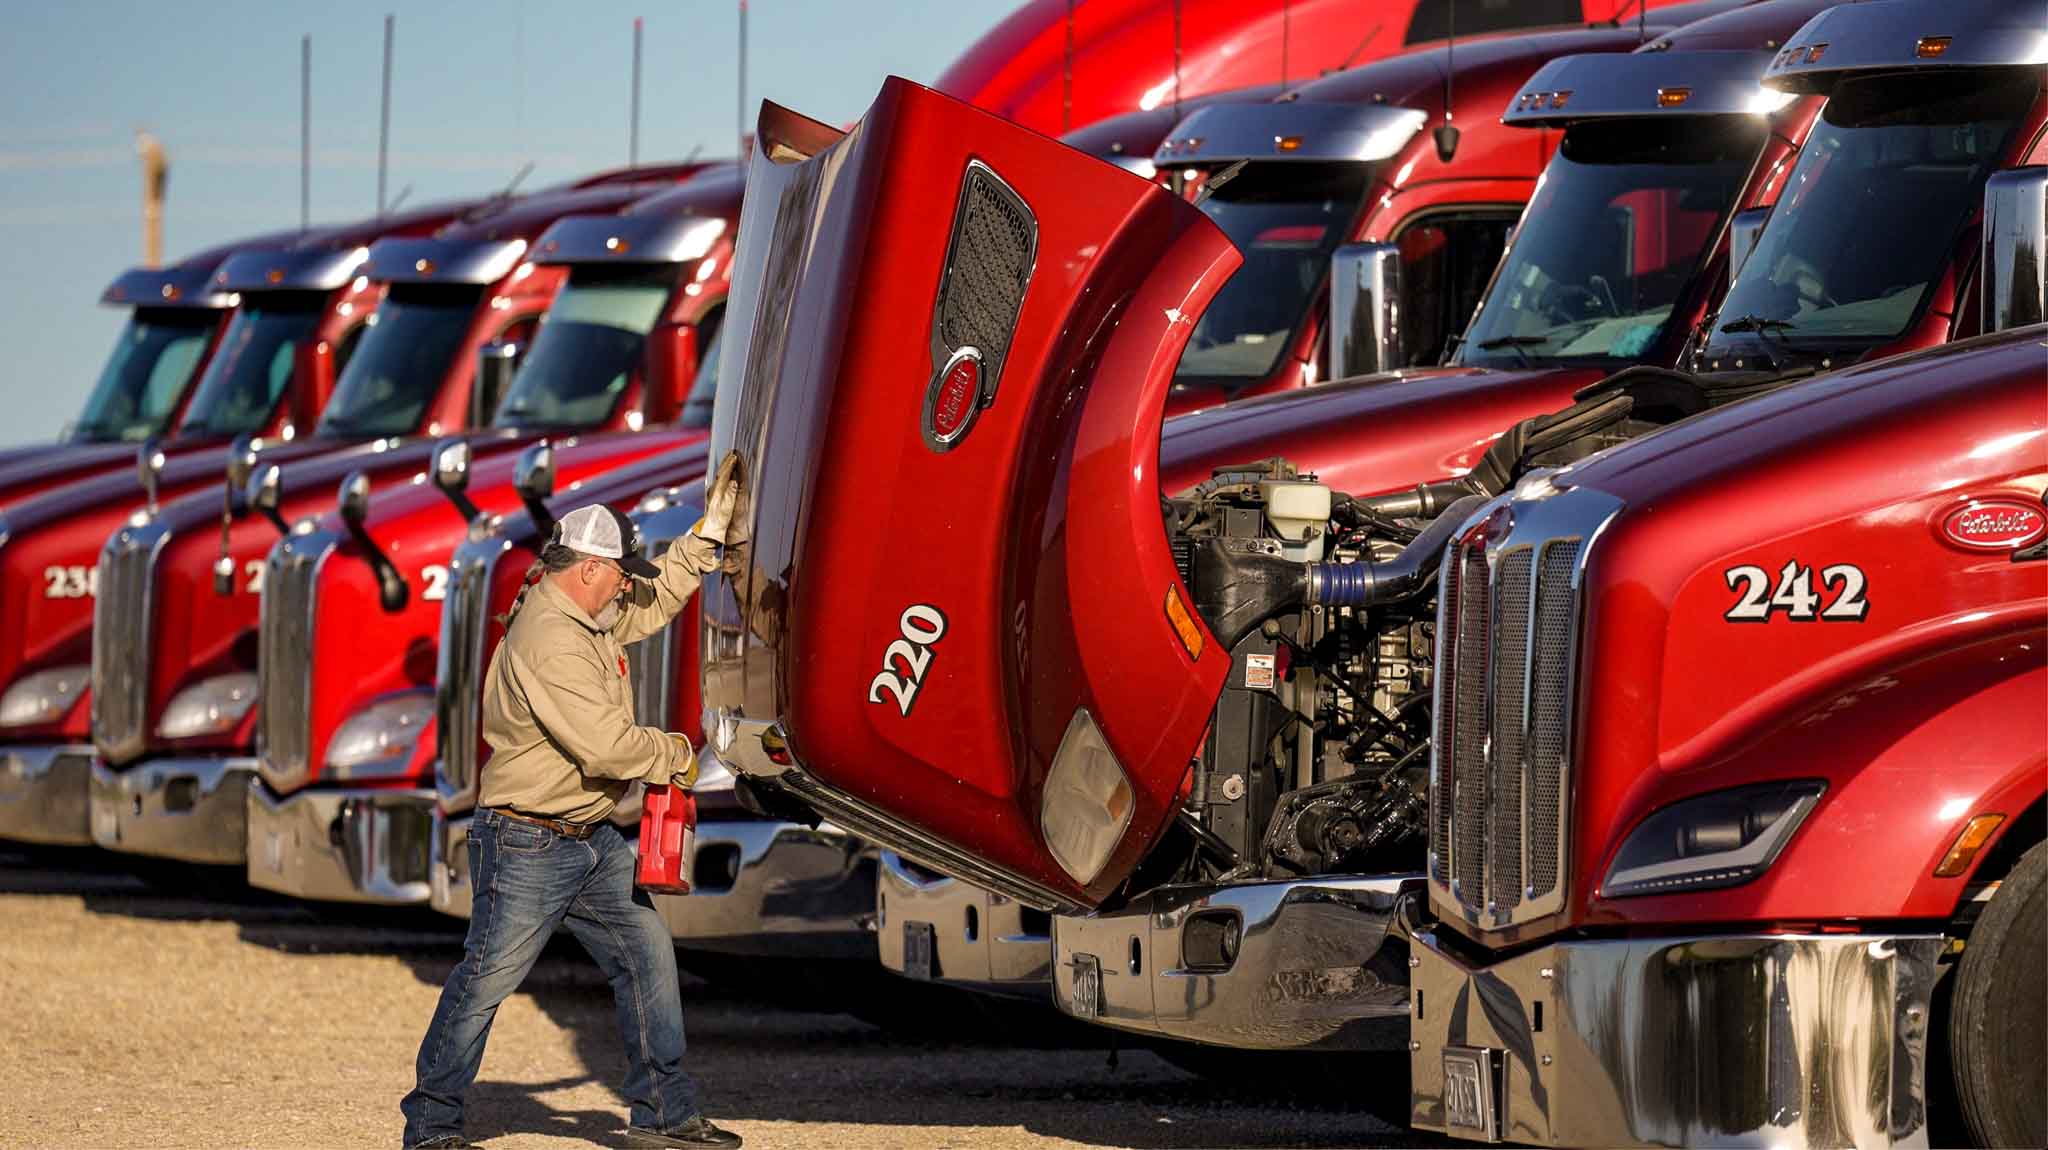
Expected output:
(765, 1043)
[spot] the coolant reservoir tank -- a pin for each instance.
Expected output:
(1299, 512)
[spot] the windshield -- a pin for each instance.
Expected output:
(591, 342)
(153, 360)
(403, 358)
(1620, 225)
(1286, 218)
(704, 388)
(250, 371)
(1866, 223)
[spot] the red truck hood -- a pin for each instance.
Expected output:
(31, 472)
(964, 492)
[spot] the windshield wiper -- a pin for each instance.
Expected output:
(1514, 343)
(1757, 323)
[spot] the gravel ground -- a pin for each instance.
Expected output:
(137, 1017)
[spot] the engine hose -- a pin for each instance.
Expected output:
(1369, 584)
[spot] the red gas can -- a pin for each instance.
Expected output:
(668, 823)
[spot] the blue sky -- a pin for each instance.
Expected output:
(478, 90)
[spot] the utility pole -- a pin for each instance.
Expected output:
(384, 116)
(155, 173)
(305, 132)
(633, 136)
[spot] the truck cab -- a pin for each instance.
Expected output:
(175, 720)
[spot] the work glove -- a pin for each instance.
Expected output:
(685, 773)
(721, 522)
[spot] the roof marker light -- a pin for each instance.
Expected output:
(424, 266)
(1813, 54)
(1557, 99)
(1672, 97)
(1930, 46)
(1287, 143)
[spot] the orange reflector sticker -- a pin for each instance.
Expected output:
(1672, 97)
(1975, 834)
(1184, 624)
(1930, 46)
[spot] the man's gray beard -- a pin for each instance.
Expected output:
(609, 617)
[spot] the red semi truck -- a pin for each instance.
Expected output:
(1660, 184)
(1056, 67)
(1032, 708)
(176, 317)
(345, 803)
(176, 654)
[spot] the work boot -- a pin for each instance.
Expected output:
(698, 1131)
(446, 1142)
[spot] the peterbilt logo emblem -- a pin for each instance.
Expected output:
(1994, 525)
(952, 400)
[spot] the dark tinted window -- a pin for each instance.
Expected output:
(402, 361)
(591, 343)
(704, 389)
(153, 359)
(1445, 262)
(1432, 19)
(249, 373)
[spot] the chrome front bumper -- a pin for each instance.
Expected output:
(1311, 971)
(1771, 1040)
(341, 846)
(980, 940)
(43, 795)
(775, 888)
(190, 809)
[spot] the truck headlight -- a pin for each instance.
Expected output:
(209, 707)
(377, 742)
(1714, 840)
(1087, 801)
(43, 696)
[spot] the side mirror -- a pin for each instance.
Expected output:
(2014, 275)
(241, 462)
(534, 478)
(266, 488)
(149, 468)
(1743, 231)
(451, 475)
(1365, 309)
(671, 367)
(496, 363)
(352, 502)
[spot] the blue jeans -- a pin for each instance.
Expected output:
(527, 881)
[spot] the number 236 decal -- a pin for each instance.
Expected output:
(1795, 595)
(921, 626)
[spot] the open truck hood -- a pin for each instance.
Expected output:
(952, 492)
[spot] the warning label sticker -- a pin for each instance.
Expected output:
(1258, 672)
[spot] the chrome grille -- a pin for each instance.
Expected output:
(1509, 607)
(458, 681)
(988, 266)
(284, 655)
(123, 633)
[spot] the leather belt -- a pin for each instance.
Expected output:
(565, 829)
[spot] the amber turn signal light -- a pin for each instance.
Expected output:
(1184, 625)
(1975, 834)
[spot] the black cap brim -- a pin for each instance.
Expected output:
(637, 566)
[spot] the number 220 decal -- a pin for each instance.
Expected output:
(1794, 595)
(921, 626)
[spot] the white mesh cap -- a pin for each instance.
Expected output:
(601, 531)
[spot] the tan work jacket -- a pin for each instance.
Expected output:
(558, 707)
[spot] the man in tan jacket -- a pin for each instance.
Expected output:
(558, 715)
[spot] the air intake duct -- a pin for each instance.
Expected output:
(1367, 584)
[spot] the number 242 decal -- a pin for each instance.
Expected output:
(921, 626)
(1795, 596)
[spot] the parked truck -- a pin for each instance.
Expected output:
(344, 806)
(1032, 710)
(177, 655)
(1634, 205)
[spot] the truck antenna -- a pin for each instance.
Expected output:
(743, 80)
(633, 136)
(400, 197)
(384, 116)
(305, 131)
(512, 184)
(1447, 132)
